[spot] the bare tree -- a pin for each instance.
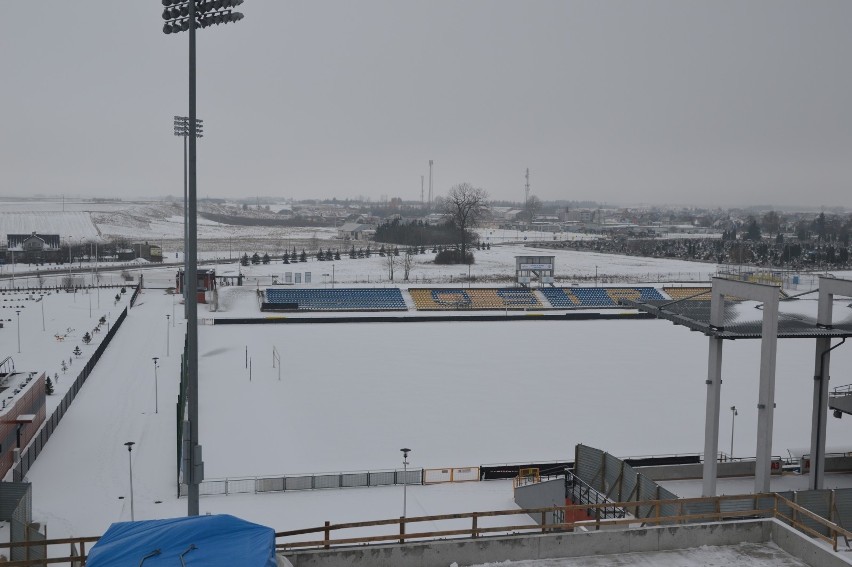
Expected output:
(407, 263)
(532, 208)
(466, 206)
(771, 222)
(390, 262)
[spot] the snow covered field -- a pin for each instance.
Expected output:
(458, 394)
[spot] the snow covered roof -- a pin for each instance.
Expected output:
(354, 227)
(16, 241)
(743, 319)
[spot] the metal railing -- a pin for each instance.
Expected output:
(581, 493)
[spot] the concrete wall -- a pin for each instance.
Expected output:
(541, 495)
(520, 547)
(838, 464)
(682, 472)
(729, 469)
(806, 549)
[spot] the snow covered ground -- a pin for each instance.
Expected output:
(743, 554)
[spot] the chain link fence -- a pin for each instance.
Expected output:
(31, 453)
(258, 484)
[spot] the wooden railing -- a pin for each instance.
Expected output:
(774, 506)
(76, 556)
(653, 517)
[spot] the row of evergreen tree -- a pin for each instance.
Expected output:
(329, 254)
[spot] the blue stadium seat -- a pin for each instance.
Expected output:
(375, 299)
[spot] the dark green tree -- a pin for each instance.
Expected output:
(48, 386)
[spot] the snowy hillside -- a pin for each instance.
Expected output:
(78, 225)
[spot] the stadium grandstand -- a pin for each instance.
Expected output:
(693, 293)
(456, 299)
(598, 296)
(366, 299)
(459, 299)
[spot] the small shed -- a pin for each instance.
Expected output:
(213, 541)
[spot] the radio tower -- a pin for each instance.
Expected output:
(527, 189)
(421, 190)
(430, 183)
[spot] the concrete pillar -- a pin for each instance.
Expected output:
(711, 424)
(766, 394)
(819, 414)
(828, 288)
(714, 393)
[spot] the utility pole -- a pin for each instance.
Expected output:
(421, 190)
(527, 189)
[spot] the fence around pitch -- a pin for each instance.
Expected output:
(283, 483)
(31, 453)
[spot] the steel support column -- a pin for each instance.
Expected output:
(828, 288)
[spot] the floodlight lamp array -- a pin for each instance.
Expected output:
(182, 126)
(207, 13)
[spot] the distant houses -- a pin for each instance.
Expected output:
(149, 252)
(355, 231)
(33, 248)
(38, 248)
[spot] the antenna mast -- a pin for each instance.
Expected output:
(430, 182)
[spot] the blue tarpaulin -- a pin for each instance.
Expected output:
(212, 541)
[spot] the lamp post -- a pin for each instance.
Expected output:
(733, 421)
(129, 446)
(70, 262)
(156, 391)
(18, 313)
(180, 16)
(167, 332)
(405, 452)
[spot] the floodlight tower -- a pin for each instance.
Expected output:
(181, 16)
(182, 129)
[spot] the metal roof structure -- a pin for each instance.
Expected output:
(743, 318)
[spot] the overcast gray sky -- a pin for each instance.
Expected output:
(716, 102)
